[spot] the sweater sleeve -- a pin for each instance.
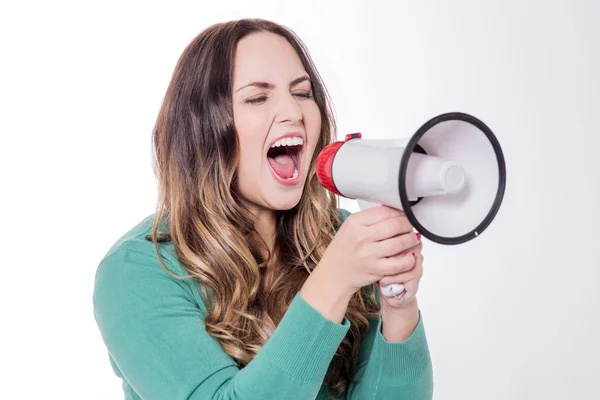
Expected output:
(393, 370)
(154, 330)
(399, 370)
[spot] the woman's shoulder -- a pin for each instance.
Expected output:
(136, 247)
(138, 240)
(130, 273)
(134, 251)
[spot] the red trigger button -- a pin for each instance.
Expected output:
(351, 136)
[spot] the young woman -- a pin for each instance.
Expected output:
(249, 282)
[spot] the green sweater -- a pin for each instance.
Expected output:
(153, 328)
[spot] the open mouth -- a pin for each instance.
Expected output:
(286, 160)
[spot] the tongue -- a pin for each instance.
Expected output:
(283, 165)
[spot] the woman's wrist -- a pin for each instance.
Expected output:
(323, 295)
(398, 324)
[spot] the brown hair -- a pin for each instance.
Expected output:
(196, 154)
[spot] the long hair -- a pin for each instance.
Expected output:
(246, 288)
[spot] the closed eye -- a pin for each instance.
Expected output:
(262, 99)
(257, 100)
(304, 95)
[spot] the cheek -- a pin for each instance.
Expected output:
(251, 131)
(250, 125)
(312, 124)
(250, 151)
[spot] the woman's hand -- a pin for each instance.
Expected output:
(371, 244)
(410, 279)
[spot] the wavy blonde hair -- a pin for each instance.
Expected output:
(195, 158)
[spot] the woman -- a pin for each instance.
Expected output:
(249, 282)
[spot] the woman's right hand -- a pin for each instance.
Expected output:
(369, 245)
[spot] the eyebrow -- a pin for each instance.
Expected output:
(267, 85)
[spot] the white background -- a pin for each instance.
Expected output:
(511, 315)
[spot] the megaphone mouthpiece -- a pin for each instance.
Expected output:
(430, 176)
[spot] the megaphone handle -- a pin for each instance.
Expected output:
(392, 289)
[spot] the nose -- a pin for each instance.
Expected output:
(289, 110)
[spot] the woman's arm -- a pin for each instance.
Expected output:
(394, 369)
(153, 328)
(394, 360)
(398, 370)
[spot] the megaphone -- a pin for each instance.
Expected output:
(448, 178)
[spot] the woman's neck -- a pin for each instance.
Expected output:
(265, 226)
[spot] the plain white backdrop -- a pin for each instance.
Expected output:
(514, 314)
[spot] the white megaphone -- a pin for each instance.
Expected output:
(448, 178)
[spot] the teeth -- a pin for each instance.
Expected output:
(288, 142)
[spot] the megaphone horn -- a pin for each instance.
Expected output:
(448, 178)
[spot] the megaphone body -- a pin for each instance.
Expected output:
(448, 178)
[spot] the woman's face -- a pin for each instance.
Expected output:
(277, 121)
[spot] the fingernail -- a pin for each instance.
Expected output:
(418, 236)
(414, 255)
(378, 282)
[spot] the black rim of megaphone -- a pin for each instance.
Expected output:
(413, 146)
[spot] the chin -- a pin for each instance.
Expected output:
(284, 202)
